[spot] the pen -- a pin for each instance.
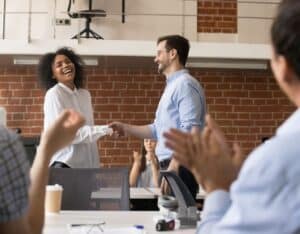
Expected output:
(86, 224)
(139, 226)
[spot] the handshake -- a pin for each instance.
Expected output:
(103, 130)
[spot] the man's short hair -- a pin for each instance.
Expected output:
(285, 33)
(178, 43)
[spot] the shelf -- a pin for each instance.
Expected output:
(91, 47)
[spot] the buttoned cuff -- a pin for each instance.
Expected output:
(153, 130)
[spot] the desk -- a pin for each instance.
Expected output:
(142, 193)
(135, 193)
(57, 224)
(157, 192)
(140, 198)
(143, 199)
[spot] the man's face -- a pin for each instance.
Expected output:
(162, 57)
(283, 74)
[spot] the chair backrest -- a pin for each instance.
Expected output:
(72, 15)
(93, 189)
(187, 210)
(179, 189)
(87, 13)
(30, 144)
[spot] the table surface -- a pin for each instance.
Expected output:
(58, 223)
(135, 193)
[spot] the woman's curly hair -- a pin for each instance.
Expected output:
(44, 69)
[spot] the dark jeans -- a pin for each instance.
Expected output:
(185, 175)
(59, 165)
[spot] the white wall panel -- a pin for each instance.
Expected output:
(254, 30)
(16, 26)
(145, 20)
(17, 5)
(41, 27)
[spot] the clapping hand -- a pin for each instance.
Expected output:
(214, 164)
(137, 157)
(62, 131)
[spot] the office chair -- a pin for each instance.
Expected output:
(87, 32)
(30, 144)
(92, 189)
(187, 210)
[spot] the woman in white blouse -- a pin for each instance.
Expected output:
(62, 75)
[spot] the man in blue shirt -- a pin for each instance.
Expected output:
(264, 195)
(182, 105)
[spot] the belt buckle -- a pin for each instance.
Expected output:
(164, 163)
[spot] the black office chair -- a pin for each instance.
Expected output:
(187, 209)
(87, 32)
(30, 145)
(92, 189)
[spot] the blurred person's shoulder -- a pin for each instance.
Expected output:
(7, 136)
(187, 82)
(11, 147)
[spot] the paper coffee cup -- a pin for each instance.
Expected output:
(53, 198)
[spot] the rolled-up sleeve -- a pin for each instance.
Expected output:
(191, 105)
(153, 130)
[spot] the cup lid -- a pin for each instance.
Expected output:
(54, 187)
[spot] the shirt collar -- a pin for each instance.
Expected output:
(175, 75)
(67, 89)
(291, 124)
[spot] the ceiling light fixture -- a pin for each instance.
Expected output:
(35, 61)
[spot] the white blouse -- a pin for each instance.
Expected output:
(83, 152)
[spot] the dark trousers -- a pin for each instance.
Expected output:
(185, 175)
(59, 165)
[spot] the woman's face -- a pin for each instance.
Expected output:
(150, 145)
(63, 70)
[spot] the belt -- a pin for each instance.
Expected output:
(57, 164)
(164, 163)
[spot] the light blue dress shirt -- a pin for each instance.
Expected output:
(265, 198)
(182, 106)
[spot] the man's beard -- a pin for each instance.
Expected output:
(161, 68)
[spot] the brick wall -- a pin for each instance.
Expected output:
(217, 16)
(247, 104)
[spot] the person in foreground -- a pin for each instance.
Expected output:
(62, 74)
(22, 194)
(181, 106)
(263, 196)
(145, 169)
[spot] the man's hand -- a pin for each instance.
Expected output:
(214, 164)
(118, 129)
(61, 132)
